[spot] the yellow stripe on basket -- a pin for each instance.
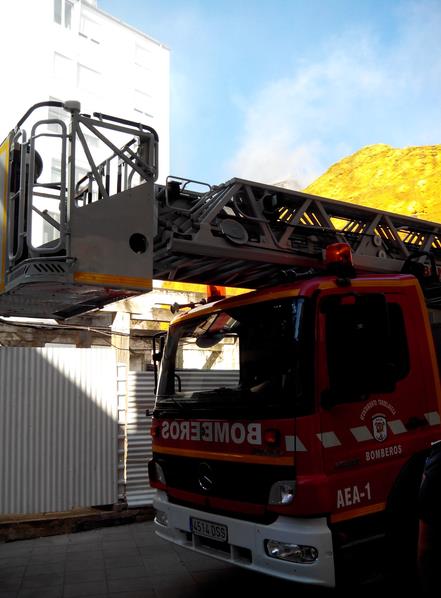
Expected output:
(4, 149)
(111, 280)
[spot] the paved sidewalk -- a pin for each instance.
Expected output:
(128, 561)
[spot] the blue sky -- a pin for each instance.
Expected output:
(277, 89)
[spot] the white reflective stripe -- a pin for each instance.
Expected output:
(293, 443)
(433, 418)
(329, 439)
(397, 426)
(361, 434)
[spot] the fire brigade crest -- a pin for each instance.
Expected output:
(379, 427)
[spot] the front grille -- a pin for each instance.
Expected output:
(242, 482)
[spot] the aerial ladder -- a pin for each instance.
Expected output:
(114, 229)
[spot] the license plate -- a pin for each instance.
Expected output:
(208, 529)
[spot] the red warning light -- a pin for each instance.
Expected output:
(338, 253)
(338, 260)
(215, 292)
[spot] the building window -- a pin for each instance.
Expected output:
(143, 77)
(143, 71)
(89, 29)
(87, 78)
(143, 57)
(63, 13)
(143, 103)
(62, 67)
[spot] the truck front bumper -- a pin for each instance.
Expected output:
(247, 540)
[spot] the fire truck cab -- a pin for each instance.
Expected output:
(288, 462)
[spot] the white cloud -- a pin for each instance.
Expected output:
(296, 126)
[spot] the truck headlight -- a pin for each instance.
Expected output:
(295, 553)
(161, 517)
(156, 473)
(282, 492)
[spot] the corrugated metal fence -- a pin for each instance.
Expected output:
(141, 398)
(62, 428)
(58, 429)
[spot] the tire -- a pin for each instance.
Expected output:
(400, 556)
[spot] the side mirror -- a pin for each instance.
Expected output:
(206, 341)
(157, 354)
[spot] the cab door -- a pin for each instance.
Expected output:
(372, 398)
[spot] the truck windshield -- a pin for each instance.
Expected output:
(248, 359)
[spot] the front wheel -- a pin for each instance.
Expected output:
(402, 523)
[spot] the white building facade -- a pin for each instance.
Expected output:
(72, 50)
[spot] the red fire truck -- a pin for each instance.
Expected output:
(303, 457)
(292, 422)
(296, 457)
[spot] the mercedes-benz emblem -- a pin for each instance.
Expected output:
(205, 477)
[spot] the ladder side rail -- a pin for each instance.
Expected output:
(319, 217)
(330, 208)
(31, 185)
(343, 209)
(16, 226)
(377, 238)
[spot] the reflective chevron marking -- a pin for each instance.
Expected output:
(329, 439)
(293, 443)
(433, 418)
(397, 427)
(361, 433)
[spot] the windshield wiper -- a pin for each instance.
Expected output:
(222, 391)
(179, 405)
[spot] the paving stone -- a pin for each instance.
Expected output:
(54, 592)
(44, 580)
(84, 575)
(126, 572)
(13, 561)
(14, 549)
(114, 561)
(38, 569)
(130, 563)
(84, 565)
(137, 594)
(12, 573)
(83, 589)
(130, 584)
(82, 547)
